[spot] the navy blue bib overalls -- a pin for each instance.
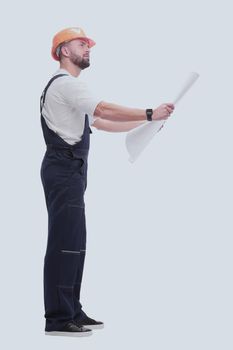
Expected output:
(64, 177)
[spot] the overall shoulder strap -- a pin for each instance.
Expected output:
(42, 98)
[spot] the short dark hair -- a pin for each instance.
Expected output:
(58, 50)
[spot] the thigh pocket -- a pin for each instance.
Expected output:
(78, 161)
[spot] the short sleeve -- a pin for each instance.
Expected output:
(79, 96)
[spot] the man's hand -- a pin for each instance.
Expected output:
(163, 111)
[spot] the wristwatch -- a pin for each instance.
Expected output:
(149, 112)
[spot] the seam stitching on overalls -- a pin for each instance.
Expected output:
(70, 251)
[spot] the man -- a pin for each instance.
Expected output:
(67, 111)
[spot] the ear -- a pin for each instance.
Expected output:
(65, 51)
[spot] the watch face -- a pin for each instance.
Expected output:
(149, 113)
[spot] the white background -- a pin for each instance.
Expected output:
(158, 267)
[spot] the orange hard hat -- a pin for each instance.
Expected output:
(68, 34)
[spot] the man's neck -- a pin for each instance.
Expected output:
(72, 69)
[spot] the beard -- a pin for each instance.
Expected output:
(79, 61)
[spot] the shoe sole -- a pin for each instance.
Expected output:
(69, 334)
(95, 326)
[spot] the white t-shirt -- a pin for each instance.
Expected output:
(67, 101)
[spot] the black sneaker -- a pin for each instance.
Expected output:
(71, 329)
(90, 323)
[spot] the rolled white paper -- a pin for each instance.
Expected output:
(138, 138)
(189, 82)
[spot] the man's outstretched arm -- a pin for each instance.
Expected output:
(117, 113)
(114, 112)
(113, 126)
